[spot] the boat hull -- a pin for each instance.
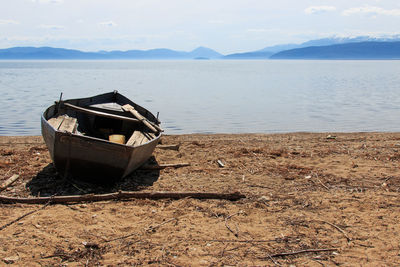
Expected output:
(91, 158)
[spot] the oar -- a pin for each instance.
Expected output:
(154, 128)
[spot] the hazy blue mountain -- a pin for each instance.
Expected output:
(268, 51)
(249, 55)
(61, 53)
(361, 50)
(277, 48)
(44, 53)
(204, 52)
(330, 41)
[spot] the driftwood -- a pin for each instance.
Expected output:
(8, 182)
(122, 195)
(163, 166)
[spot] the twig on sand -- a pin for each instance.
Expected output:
(327, 188)
(23, 216)
(63, 256)
(226, 224)
(283, 254)
(321, 183)
(318, 262)
(337, 228)
(223, 251)
(8, 182)
(148, 229)
(151, 228)
(272, 259)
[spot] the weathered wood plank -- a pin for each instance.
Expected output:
(56, 122)
(8, 182)
(137, 139)
(69, 125)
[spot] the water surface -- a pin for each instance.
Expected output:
(214, 96)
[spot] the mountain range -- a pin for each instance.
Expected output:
(361, 47)
(362, 50)
(271, 51)
(62, 53)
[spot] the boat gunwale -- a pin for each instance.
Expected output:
(91, 138)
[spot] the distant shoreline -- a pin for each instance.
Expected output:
(367, 50)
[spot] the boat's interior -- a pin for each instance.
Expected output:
(107, 121)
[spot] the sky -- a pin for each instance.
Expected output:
(227, 26)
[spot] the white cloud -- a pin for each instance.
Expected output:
(8, 22)
(52, 27)
(319, 9)
(371, 11)
(108, 23)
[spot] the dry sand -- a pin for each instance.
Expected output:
(305, 193)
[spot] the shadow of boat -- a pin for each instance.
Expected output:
(48, 182)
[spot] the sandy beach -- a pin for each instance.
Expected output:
(312, 199)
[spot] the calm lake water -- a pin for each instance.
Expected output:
(214, 96)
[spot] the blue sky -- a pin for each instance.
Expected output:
(227, 26)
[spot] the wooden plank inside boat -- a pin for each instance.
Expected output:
(64, 124)
(138, 138)
(68, 125)
(56, 122)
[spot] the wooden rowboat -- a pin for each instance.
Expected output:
(77, 133)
